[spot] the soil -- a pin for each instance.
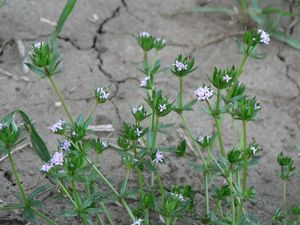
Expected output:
(102, 51)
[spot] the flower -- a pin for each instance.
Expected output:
(138, 109)
(161, 39)
(38, 44)
(204, 93)
(66, 145)
(144, 82)
(103, 95)
(162, 107)
(179, 196)
(180, 66)
(264, 36)
(74, 134)
(57, 159)
(2, 125)
(159, 157)
(46, 167)
(58, 126)
(227, 78)
(138, 132)
(138, 222)
(144, 34)
(253, 149)
(257, 106)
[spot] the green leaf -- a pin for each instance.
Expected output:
(37, 191)
(2, 3)
(64, 15)
(37, 142)
(283, 37)
(37, 70)
(213, 9)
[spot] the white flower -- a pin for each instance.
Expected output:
(138, 109)
(138, 132)
(264, 36)
(179, 196)
(227, 78)
(74, 134)
(134, 110)
(46, 167)
(38, 44)
(257, 106)
(204, 93)
(104, 144)
(159, 157)
(102, 93)
(144, 34)
(57, 159)
(180, 66)
(163, 41)
(162, 107)
(253, 149)
(57, 126)
(138, 222)
(144, 82)
(2, 125)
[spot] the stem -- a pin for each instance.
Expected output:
(206, 193)
(92, 111)
(61, 98)
(43, 216)
(105, 210)
(284, 198)
(67, 193)
(218, 125)
(13, 166)
(77, 199)
(232, 200)
(100, 219)
(180, 95)
(245, 165)
(140, 181)
(122, 201)
(155, 134)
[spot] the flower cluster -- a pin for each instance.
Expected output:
(264, 36)
(159, 157)
(204, 93)
(65, 145)
(138, 222)
(139, 113)
(101, 95)
(147, 41)
(183, 66)
(145, 82)
(56, 160)
(58, 127)
(179, 196)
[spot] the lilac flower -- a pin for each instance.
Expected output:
(227, 78)
(138, 222)
(57, 159)
(144, 34)
(138, 132)
(103, 95)
(66, 145)
(46, 167)
(38, 44)
(162, 107)
(57, 126)
(180, 66)
(264, 36)
(144, 82)
(204, 93)
(159, 157)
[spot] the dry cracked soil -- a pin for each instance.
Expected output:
(99, 49)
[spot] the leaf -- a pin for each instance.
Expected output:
(64, 15)
(2, 3)
(37, 191)
(281, 36)
(37, 142)
(37, 70)
(213, 9)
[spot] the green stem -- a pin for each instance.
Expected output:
(92, 111)
(105, 210)
(67, 193)
(140, 181)
(218, 125)
(43, 216)
(232, 199)
(75, 193)
(61, 98)
(122, 201)
(245, 157)
(221, 209)
(13, 166)
(206, 193)
(161, 186)
(180, 95)
(100, 220)
(284, 198)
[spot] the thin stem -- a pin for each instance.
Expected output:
(161, 186)
(13, 166)
(105, 210)
(245, 157)
(43, 216)
(232, 199)
(92, 111)
(67, 193)
(61, 98)
(180, 95)
(284, 198)
(140, 181)
(100, 220)
(218, 125)
(155, 134)
(206, 193)
(122, 201)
